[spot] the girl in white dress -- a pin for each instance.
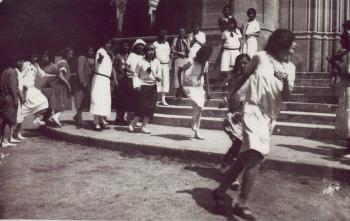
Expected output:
(162, 48)
(197, 40)
(250, 33)
(101, 86)
(192, 83)
(231, 45)
(271, 78)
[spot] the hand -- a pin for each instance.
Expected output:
(281, 76)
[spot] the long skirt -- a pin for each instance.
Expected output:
(126, 96)
(81, 98)
(257, 129)
(196, 95)
(100, 96)
(147, 101)
(228, 59)
(250, 46)
(178, 63)
(60, 98)
(164, 85)
(35, 102)
(8, 109)
(342, 121)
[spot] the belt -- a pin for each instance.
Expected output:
(231, 49)
(103, 75)
(165, 63)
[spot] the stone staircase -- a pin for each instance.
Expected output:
(309, 113)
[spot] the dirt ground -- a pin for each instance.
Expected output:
(45, 179)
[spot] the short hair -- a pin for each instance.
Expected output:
(226, 7)
(204, 53)
(148, 47)
(281, 39)
(251, 10)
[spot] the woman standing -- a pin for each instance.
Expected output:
(192, 83)
(180, 49)
(124, 88)
(60, 97)
(85, 71)
(149, 71)
(9, 102)
(250, 33)
(342, 125)
(271, 78)
(101, 86)
(163, 55)
(231, 46)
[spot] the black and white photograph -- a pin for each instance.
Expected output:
(208, 110)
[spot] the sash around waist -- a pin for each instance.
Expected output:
(103, 75)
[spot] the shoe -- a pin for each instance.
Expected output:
(38, 122)
(244, 213)
(104, 126)
(121, 122)
(145, 130)
(198, 136)
(8, 144)
(56, 121)
(131, 127)
(97, 127)
(163, 103)
(14, 140)
(105, 122)
(219, 202)
(20, 137)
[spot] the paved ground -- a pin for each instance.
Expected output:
(304, 155)
(45, 179)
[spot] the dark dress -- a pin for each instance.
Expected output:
(9, 96)
(56, 91)
(82, 86)
(125, 98)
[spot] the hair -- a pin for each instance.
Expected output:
(149, 46)
(65, 51)
(281, 39)
(238, 59)
(251, 10)
(225, 7)
(204, 53)
(232, 21)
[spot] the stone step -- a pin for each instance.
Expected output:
(298, 83)
(315, 131)
(291, 106)
(285, 116)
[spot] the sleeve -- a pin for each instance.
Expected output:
(291, 76)
(223, 35)
(81, 66)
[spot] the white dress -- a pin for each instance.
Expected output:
(230, 49)
(192, 87)
(250, 45)
(263, 102)
(195, 46)
(101, 87)
(163, 55)
(35, 99)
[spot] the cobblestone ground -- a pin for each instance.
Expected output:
(46, 179)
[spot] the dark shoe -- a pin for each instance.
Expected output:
(219, 202)
(244, 213)
(121, 122)
(104, 126)
(97, 127)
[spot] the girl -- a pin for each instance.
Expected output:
(197, 40)
(192, 83)
(85, 71)
(250, 33)
(342, 126)
(101, 86)
(233, 121)
(271, 78)
(149, 71)
(124, 88)
(230, 47)
(163, 55)
(180, 49)
(226, 15)
(60, 99)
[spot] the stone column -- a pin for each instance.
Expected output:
(271, 14)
